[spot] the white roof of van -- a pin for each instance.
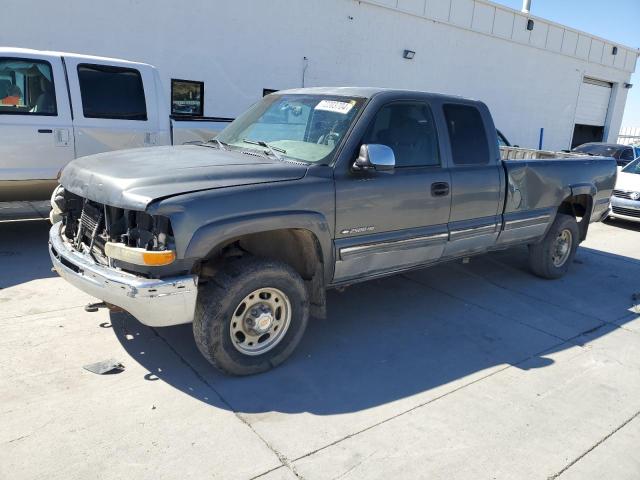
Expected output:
(12, 51)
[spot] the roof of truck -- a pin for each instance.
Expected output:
(366, 92)
(49, 53)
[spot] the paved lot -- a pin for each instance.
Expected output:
(459, 371)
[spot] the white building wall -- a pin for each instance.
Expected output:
(530, 80)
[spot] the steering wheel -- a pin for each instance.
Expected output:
(331, 136)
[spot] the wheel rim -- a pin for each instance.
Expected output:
(260, 321)
(562, 248)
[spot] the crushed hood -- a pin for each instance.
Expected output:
(134, 178)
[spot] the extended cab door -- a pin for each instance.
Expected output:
(35, 125)
(387, 221)
(477, 178)
(114, 104)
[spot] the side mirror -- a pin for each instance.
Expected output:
(375, 157)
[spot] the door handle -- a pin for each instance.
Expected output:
(440, 189)
(45, 130)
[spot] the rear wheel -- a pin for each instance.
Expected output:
(551, 257)
(251, 316)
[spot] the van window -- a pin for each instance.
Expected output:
(187, 98)
(111, 92)
(26, 87)
(408, 129)
(469, 145)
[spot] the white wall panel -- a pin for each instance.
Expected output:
(520, 32)
(569, 42)
(503, 23)
(554, 38)
(620, 58)
(597, 47)
(413, 6)
(438, 9)
(461, 12)
(631, 60)
(483, 18)
(539, 34)
(584, 46)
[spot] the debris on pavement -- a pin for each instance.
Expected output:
(105, 367)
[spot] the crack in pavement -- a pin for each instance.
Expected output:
(281, 457)
(594, 446)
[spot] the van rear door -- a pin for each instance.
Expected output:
(114, 104)
(36, 138)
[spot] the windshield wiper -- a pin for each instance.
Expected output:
(271, 148)
(220, 144)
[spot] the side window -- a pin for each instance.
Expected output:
(408, 129)
(468, 137)
(111, 92)
(187, 98)
(26, 87)
(627, 154)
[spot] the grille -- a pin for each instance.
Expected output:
(622, 194)
(90, 218)
(629, 212)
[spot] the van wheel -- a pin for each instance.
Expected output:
(551, 257)
(250, 316)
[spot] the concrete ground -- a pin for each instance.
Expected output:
(455, 372)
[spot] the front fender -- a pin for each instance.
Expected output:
(208, 236)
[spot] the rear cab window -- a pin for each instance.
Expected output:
(27, 87)
(467, 134)
(111, 92)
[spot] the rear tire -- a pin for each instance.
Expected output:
(551, 257)
(250, 316)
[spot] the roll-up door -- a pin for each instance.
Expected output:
(591, 112)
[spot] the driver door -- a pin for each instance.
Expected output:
(388, 221)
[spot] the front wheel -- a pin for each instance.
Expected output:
(551, 257)
(251, 316)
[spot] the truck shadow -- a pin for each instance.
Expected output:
(426, 331)
(23, 252)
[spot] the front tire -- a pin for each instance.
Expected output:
(551, 257)
(250, 316)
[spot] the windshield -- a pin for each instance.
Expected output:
(633, 167)
(598, 150)
(308, 128)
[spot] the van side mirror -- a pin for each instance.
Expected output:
(375, 157)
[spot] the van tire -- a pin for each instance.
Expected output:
(550, 258)
(223, 308)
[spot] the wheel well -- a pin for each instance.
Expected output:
(579, 206)
(298, 248)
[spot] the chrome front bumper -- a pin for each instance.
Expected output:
(154, 302)
(625, 209)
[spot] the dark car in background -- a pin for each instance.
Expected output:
(623, 154)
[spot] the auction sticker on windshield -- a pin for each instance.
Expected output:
(335, 106)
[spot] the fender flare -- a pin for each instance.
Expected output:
(208, 236)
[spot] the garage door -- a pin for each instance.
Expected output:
(591, 113)
(593, 102)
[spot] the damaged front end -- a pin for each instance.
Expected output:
(130, 240)
(123, 257)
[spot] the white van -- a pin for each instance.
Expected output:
(55, 107)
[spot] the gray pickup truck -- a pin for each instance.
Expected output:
(309, 189)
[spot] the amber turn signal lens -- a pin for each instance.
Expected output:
(139, 256)
(159, 258)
